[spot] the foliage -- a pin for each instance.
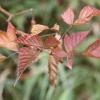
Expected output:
(55, 46)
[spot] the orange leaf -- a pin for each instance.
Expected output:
(68, 16)
(93, 50)
(2, 58)
(36, 29)
(7, 39)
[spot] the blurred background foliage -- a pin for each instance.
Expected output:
(80, 83)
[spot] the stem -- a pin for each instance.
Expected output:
(20, 33)
(48, 35)
(5, 12)
(66, 32)
(10, 15)
(24, 11)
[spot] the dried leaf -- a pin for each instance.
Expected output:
(86, 14)
(68, 16)
(52, 71)
(2, 58)
(38, 28)
(71, 42)
(55, 27)
(7, 39)
(93, 50)
(51, 42)
(26, 56)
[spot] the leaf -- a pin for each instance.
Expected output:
(7, 39)
(38, 28)
(55, 27)
(51, 42)
(86, 14)
(25, 57)
(71, 42)
(93, 50)
(68, 16)
(11, 32)
(30, 40)
(52, 64)
(58, 52)
(2, 58)
(69, 60)
(58, 36)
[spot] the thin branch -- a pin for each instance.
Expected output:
(10, 15)
(4, 11)
(24, 11)
(20, 33)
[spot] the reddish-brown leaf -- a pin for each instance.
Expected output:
(25, 57)
(7, 39)
(68, 16)
(30, 40)
(2, 58)
(58, 53)
(86, 14)
(38, 28)
(71, 42)
(93, 50)
(51, 42)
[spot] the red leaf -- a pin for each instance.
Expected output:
(26, 56)
(29, 40)
(69, 61)
(86, 14)
(58, 53)
(71, 42)
(51, 42)
(68, 16)
(93, 50)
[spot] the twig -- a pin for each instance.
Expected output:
(20, 33)
(4, 11)
(24, 11)
(10, 15)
